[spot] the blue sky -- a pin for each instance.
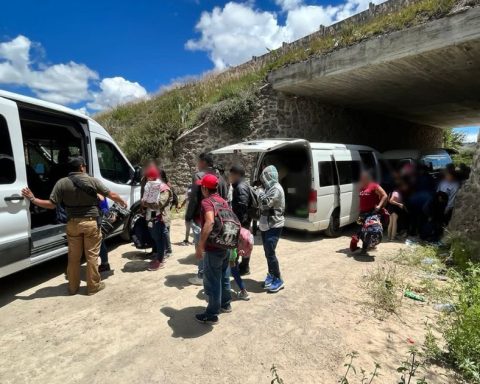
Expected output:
(95, 54)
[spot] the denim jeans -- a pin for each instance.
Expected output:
(168, 242)
(270, 240)
(159, 234)
(103, 253)
(216, 280)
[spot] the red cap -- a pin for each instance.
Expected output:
(208, 181)
(152, 173)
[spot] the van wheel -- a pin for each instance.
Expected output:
(333, 229)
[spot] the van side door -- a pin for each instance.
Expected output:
(327, 189)
(14, 216)
(348, 168)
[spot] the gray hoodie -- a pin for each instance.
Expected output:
(272, 200)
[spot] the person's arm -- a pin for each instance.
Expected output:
(393, 201)
(267, 199)
(117, 198)
(206, 230)
(47, 204)
(243, 198)
(383, 197)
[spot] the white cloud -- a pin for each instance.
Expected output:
(471, 138)
(64, 83)
(234, 33)
(114, 91)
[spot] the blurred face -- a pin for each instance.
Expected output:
(448, 176)
(233, 177)
(364, 179)
(201, 165)
(205, 192)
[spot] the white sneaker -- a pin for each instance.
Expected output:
(195, 280)
(243, 295)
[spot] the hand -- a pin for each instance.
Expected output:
(376, 210)
(401, 206)
(123, 203)
(28, 194)
(199, 253)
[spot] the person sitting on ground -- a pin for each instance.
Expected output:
(216, 271)
(240, 204)
(450, 186)
(272, 220)
(158, 224)
(78, 193)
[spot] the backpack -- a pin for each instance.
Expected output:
(245, 243)
(139, 232)
(226, 227)
(253, 210)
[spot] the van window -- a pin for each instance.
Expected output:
(113, 166)
(348, 171)
(327, 173)
(7, 164)
(368, 163)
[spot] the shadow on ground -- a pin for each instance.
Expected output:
(183, 323)
(368, 258)
(188, 260)
(179, 281)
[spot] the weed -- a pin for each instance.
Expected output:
(366, 378)
(409, 367)
(276, 378)
(384, 286)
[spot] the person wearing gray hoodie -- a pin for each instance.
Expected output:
(272, 220)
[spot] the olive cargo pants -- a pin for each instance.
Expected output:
(83, 235)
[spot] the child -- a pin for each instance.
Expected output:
(396, 209)
(152, 190)
(245, 247)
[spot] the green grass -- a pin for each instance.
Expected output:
(147, 129)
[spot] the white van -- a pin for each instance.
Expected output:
(36, 139)
(320, 179)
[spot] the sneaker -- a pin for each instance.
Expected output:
(104, 268)
(243, 295)
(226, 309)
(100, 287)
(206, 319)
(276, 285)
(195, 280)
(155, 265)
(184, 243)
(268, 281)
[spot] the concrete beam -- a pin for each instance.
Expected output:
(428, 74)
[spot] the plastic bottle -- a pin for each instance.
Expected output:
(414, 296)
(447, 307)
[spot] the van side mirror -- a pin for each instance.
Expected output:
(137, 175)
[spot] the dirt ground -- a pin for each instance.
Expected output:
(140, 329)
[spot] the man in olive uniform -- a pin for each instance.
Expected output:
(78, 194)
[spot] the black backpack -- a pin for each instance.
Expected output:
(253, 204)
(226, 227)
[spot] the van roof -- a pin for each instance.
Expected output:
(41, 103)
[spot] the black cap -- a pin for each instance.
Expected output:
(238, 169)
(75, 162)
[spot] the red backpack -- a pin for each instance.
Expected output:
(226, 227)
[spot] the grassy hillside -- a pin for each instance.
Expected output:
(148, 129)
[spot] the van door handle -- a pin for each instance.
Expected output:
(13, 198)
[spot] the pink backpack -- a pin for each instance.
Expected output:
(245, 243)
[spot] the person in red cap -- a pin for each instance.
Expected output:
(216, 273)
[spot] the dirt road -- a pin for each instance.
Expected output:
(140, 329)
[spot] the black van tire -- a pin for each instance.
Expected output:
(125, 235)
(333, 229)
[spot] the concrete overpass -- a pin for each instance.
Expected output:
(428, 74)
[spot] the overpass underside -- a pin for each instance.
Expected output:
(428, 74)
